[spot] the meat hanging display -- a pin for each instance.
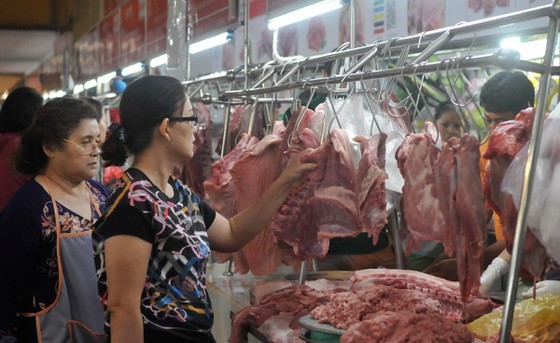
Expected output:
(443, 201)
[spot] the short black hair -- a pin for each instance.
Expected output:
(443, 108)
(19, 108)
(507, 91)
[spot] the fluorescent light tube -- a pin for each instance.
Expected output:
(90, 84)
(78, 88)
(132, 69)
(208, 43)
(307, 12)
(157, 61)
(510, 43)
(107, 77)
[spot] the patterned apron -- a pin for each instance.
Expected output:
(76, 314)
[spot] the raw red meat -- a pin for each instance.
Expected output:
(446, 292)
(252, 174)
(416, 159)
(325, 205)
(505, 141)
(407, 327)
(370, 185)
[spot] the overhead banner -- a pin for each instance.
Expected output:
(209, 16)
(132, 32)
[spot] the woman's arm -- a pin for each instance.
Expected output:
(231, 235)
(127, 264)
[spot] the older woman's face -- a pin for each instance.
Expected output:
(77, 159)
(449, 125)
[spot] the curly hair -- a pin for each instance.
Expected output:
(56, 120)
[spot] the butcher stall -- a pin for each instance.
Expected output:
(383, 171)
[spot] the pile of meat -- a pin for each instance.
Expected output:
(277, 314)
(335, 201)
(377, 302)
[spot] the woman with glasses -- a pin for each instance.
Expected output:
(155, 235)
(47, 271)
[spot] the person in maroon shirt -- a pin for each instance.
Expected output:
(16, 115)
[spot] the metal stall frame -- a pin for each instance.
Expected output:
(438, 39)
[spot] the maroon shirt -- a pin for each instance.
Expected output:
(10, 180)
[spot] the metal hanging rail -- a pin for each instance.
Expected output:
(504, 58)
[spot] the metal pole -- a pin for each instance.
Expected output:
(394, 228)
(246, 43)
(528, 177)
(352, 14)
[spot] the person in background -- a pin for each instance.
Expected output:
(449, 125)
(502, 97)
(16, 115)
(153, 242)
(102, 132)
(447, 121)
(47, 271)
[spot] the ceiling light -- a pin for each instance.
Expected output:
(107, 77)
(90, 84)
(303, 13)
(78, 88)
(132, 69)
(510, 43)
(211, 42)
(157, 61)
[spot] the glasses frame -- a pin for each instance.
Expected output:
(85, 148)
(193, 120)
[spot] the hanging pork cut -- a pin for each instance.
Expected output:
(416, 159)
(220, 189)
(505, 141)
(370, 185)
(324, 206)
(443, 201)
(462, 204)
(252, 174)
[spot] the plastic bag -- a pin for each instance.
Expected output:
(533, 321)
(543, 214)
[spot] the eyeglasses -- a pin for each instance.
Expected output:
(193, 120)
(85, 147)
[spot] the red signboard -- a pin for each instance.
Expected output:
(132, 33)
(156, 34)
(273, 6)
(212, 15)
(109, 42)
(109, 6)
(87, 50)
(258, 8)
